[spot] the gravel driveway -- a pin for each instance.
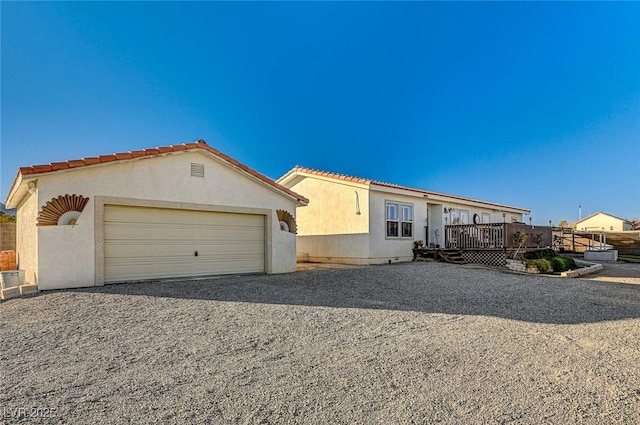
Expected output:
(403, 343)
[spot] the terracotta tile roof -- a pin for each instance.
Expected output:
(361, 180)
(123, 156)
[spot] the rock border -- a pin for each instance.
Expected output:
(519, 266)
(588, 268)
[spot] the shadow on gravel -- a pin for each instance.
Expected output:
(421, 287)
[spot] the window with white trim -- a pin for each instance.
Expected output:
(399, 220)
(407, 221)
(464, 216)
(392, 219)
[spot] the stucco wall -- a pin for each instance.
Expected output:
(165, 179)
(330, 230)
(27, 237)
(348, 249)
(334, 226)
(383, 248)
(400, 249)
(495, 216)
(333, 207)
(67, 261)
(283, 247)
(603, 221)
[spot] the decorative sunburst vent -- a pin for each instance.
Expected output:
(287, 222)
(63, 210)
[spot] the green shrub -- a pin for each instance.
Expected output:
(558, 264)
(562, 264)
(539, 253)
(544, 266)
(572, 263)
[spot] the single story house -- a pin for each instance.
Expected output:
(174, 211)
(360, 221)
(601, 221)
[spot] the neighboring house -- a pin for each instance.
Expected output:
(601, 221)
(360, 221)
(182, 210)
(636, 225)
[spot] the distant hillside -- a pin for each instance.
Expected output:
(7, 211)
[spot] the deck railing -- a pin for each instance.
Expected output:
(479, 236)
(497, 236)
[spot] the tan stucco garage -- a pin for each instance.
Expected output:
(182, 210)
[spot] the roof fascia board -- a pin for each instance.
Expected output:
(293, 174)
(17, 191)
(431, 196)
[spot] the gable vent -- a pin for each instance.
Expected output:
(197, 170)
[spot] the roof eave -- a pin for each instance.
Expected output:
(442, 197)
(17, 191)
(298, 171)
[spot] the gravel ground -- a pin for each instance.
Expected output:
(618, 272)
(403, 343)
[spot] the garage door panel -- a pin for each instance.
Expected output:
(126, 215)
(127, 231)
(239, 220)
(240, 235)
(127, 250)
(224, 267)
(222, 248)
(134, 250)
(157, 231)
(148, 243)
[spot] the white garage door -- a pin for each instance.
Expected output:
(148, 243)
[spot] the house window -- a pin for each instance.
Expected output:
(407, 221)
(464, 217)
(455, 217)
(460, 217)
(399, 220)
(392, 219)
(486, 218)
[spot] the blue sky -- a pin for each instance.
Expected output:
(530, 104)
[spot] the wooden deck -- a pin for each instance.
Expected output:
(453, 256)
(496, 236)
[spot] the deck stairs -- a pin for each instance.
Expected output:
(453, 256)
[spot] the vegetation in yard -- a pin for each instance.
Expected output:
(562, 264)
(544, 266)
(629, 258)
(547, 261)
(7, 218)
(539, 253)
